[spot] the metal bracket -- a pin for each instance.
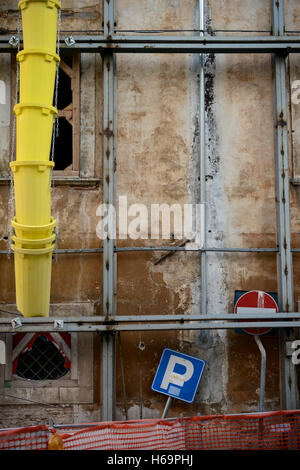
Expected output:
(16, 322)
(14, 41)
(59, 324)
(289, 349)
(70, 41)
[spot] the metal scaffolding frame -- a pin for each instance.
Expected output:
(109, 44)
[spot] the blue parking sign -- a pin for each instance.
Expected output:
(178, 375)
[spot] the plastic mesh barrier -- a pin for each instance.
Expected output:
(31, 438)
(266, 431)
(144, 435)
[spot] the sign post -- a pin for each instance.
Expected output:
(166, 409)
(178, 376)
(256, 301)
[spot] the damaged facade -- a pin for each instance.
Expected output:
(157, 161)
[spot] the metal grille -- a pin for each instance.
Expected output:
(43, 361)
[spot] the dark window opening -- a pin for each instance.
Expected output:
(63, 148)
(63, 139)
(42, 361)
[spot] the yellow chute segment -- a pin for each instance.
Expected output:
(37, 72)
(32, 191)
(33, 239)
(33, 231)
(33, 280)
(34, 131)
(31, 244)
(39, 21)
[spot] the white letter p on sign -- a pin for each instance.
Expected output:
(175, 378)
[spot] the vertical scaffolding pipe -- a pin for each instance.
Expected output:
(108, 339)
(285, 274)
(263, 367)
(202, 162)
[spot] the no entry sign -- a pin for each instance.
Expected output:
(259, 302)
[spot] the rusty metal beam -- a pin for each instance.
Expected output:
(285, 270)
(170, 44)
(202, 162)
(146, 323)
(108, 259)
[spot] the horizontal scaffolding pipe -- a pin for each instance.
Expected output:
(148, 322)
(169, 39)
(186, 48)
(168, 44)
(157, 318)
(164, 248)
(101, 328)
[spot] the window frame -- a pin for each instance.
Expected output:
(75, 389)
(78, 175)
(70, 379)
(74, 74)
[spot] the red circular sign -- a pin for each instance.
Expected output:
(256, 301)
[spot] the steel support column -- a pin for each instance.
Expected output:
(108, 338)
(202, 161)
(285, 273)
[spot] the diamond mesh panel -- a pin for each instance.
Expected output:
(42, 362)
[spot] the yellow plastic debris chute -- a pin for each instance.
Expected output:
(34, 238)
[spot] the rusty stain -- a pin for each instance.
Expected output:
(108, 133)
(109, 328)
(287, 307)
(110, 323)
(281, 121)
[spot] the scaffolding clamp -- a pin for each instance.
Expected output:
(289, 348)
(16, 322)
(14, 41)
(59, 324)
(70, 41)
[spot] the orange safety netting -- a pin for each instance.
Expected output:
(265, 431)
(30, 438)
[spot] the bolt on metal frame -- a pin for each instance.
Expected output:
(108, 45)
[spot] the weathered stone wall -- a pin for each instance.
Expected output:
(158, 162)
